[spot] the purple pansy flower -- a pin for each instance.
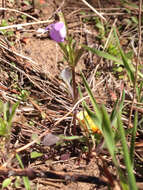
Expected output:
(57, 31)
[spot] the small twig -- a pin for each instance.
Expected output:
(33, 5)
(3, 5)
(25, 24)
(94, 10)
(74, 99)
(14, 10)
(21, 71)
(137, 62)
(49, 182)
(39, 109)
(19, 55)
(63, 176)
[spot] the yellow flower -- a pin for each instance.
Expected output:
(82, 116)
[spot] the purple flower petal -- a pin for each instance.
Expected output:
(57, 31)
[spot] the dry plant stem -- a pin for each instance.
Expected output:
(74, 99)
(25, 24)
(137, 62)
(94, 10)
(33, 5)
(28, 76)
(14, 10)
(3, 5)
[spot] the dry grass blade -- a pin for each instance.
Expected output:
(94, 10)
(25, 24)
(14, 10)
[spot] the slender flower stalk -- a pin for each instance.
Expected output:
(58, 32)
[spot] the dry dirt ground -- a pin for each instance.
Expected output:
(38, 73)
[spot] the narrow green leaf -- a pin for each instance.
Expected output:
(114, 112)
(64, 49)
(117, 107)
(25, 178)
(35, 154)
(3, 128)
(26, 183)
(93, 101)
(19, 160)
(70, 138)
(1, 106)
(78, 54)
(127, 65)
(108, 133)
(133, 137)
(12, 112)
(6, 183)
(129, 166)
(104, 54)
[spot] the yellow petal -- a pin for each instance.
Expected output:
(81, 116)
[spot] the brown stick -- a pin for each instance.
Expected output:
(3, 5)
(65, 176)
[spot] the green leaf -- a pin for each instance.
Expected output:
(25, 178)
(134, 19)
(133, 137)
(3, 128)
(17, 182)
(35, 137)
(19, 160)
(104, 54)
(26, 183)
(4, 23)
(12, 113)
(71, 138)
(128, 164)
(64, 49)
(100, 26)
(6, 183)
(35, 154)
(108, 133)
(93, 101)
(139, 90)
(129, 67)
(1, 106)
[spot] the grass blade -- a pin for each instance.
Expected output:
(13, 110)
(104, 54)
(93, 101)
(117, 107)
(108, 133)
(132, 146)
(25, 178)
(129, 167)
(129, 67)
